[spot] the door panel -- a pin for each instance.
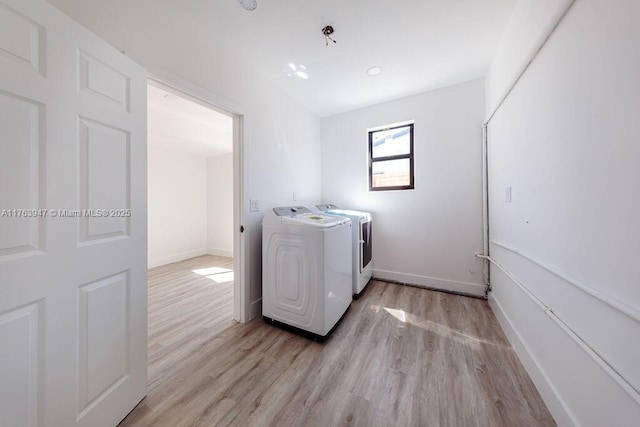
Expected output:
(104, 179)
(73, 263)
(19, 367)
(366, 250)
(100, 79)
(21, 39)
(22, 120)
(103, 347)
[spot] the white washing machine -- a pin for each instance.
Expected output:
(362, 250)
(306, 269)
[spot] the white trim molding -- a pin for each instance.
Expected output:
(536, 369)
(168, 259)
(549, 393)
(220, 252)
(628, 310)
(472, 289)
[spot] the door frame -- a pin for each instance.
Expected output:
(186, 89)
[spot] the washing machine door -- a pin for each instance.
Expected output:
(366, 249)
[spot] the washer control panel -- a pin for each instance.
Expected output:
(291, 210)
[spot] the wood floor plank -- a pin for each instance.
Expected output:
(401, 356)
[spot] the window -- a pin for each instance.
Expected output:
(391, 158)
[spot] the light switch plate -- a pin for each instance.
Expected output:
(254, 205)
(507, 194)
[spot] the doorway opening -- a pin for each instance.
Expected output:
(194, 249)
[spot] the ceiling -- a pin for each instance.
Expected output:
(178, 124)
(420, 44)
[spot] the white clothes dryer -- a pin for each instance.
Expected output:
(362, 249)
(306, 269)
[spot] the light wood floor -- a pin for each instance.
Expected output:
(185, 310)
(401, 356)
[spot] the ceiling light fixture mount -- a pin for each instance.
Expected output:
(374, 71)
(249, 5)
(326, 32)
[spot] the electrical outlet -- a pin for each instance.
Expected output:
(295, 197)
(254, 205)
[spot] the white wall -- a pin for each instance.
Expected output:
(281, 138)
(425, 236)
(528, 25)
(567, 140)
(177, 206)
(220, 205)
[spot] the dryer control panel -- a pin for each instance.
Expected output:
(326, 207)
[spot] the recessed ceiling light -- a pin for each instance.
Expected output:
(374, 71)
(249, 4)
(297, 70)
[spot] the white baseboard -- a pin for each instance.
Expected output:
(220, 252)
(168, 259)
(558, 408)
(255, 309)
(431, 282)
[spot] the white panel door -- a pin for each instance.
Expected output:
(72, 223)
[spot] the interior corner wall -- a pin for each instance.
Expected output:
(281, 138)
(177, 207)
(220, 205)
(567, 143)
(426, 236)
(528, 24)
